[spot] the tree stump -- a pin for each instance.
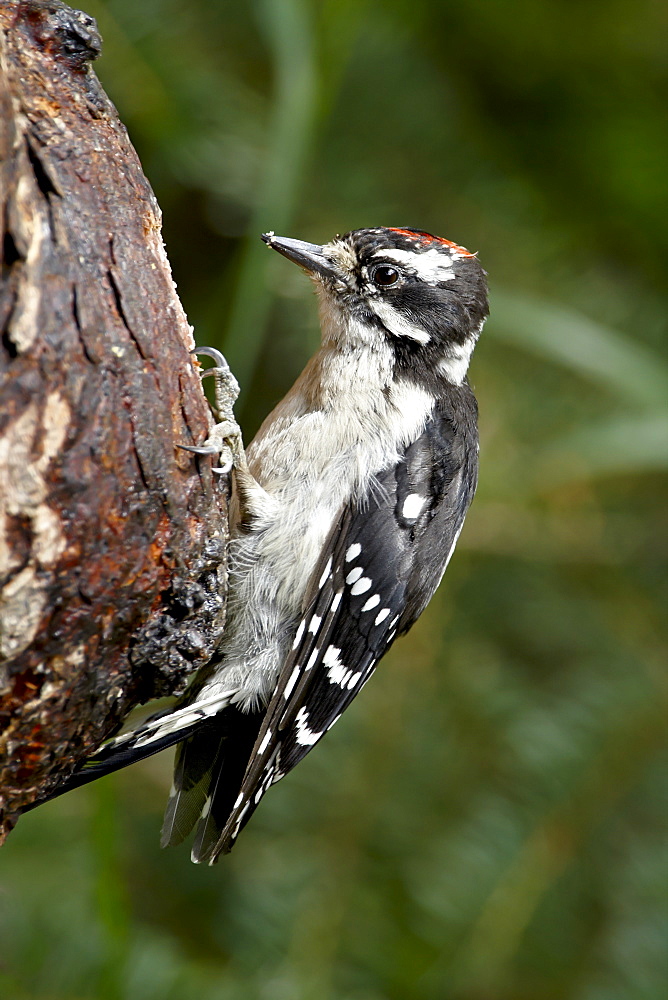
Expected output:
(112, 540)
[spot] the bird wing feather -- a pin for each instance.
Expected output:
(371, 583)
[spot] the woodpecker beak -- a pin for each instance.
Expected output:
(308, 255)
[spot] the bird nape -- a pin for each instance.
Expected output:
(347, 507)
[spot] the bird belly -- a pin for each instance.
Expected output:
(311, 467)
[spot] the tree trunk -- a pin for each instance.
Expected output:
(112, 540)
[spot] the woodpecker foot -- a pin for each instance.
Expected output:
(225, 436)
(226, 387)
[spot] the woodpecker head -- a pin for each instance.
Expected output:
(425, 296)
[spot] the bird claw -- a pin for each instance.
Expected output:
(226, 389)
(214, 354)
(225, 437)
(223, 470)
(201, 450)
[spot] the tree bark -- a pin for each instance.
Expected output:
(112, 540)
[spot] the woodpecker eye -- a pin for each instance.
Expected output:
(384, 275)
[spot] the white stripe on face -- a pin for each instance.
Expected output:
(431, 265)
(396, 323)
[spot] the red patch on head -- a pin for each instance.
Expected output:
(426, 238)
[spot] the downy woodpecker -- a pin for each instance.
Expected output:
(347, 507)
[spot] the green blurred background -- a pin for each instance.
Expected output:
(487, 821)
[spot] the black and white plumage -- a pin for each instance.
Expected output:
(349, 503)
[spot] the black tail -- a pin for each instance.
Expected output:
(113, 756)
(210, 767)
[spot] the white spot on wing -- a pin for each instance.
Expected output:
(413, 505)
(304, 736)
(292, 681)
(336, 600)
(327, 570)
(331, 656)
(265, 742)
(312, 658)
(354, 574)
(361, 586)
(372, 603)
(381, 616)
(237, 826)
(353, 551)
(314, 624)
(336, 670)
(300, 632)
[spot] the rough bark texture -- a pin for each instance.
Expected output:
(112, 540)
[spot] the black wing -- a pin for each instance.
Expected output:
(379, 569)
